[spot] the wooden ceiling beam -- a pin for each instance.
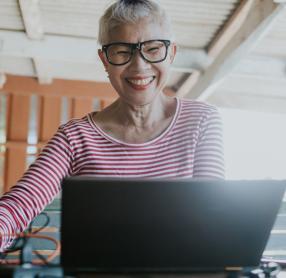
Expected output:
(32, 19)
(60, 48)
(219, 42)
(43, 71)
(189, 83)
(230, 28)
(3, 79)
(242, 32)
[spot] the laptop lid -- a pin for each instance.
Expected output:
(166, 226)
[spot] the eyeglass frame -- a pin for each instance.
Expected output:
(135, 46)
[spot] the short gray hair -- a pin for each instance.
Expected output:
(130, 11)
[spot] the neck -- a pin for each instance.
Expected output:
(141, 116)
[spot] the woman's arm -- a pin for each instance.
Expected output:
(209, 154)
(36, 189)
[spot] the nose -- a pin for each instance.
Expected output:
(138, 61)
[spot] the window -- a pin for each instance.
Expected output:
(255, 148)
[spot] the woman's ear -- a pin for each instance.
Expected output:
(103, 58)
(173, 52)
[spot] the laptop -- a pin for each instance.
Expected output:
(166, 226)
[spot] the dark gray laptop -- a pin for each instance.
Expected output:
(166, 226)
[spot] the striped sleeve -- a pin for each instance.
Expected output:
(209, 154)
(36, 189)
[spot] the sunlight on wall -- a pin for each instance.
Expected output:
(255, 144)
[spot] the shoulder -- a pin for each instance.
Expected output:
(75, 129)
(76, 124)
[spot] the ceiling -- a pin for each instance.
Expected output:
(231, 53)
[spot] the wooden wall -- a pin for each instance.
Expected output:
(18, 92)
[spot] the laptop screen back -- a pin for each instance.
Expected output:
(166, 226)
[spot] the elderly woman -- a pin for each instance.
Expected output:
(143, 134)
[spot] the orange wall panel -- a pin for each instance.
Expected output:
(18, 117)
(81, 106)
(49, 116)
(17, 133)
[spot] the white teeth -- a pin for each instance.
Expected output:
(141, 81)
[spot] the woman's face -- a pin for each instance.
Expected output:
(138, 82)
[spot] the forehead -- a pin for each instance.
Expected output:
(143, 30)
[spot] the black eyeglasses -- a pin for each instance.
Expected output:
(152, 51)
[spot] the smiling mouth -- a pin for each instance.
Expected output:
(140, 82)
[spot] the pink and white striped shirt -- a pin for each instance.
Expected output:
(191, 147)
